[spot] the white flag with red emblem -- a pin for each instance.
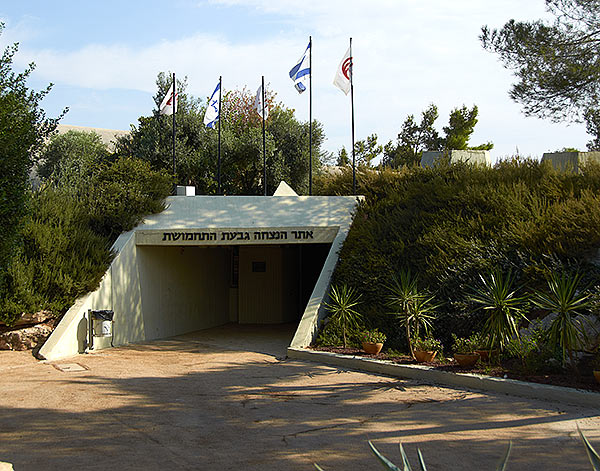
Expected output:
(344, 72)
(169, 102)
(259, 104)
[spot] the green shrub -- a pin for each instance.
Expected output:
(428, 344)
(65, 247)
(450, 223)
(373, 336)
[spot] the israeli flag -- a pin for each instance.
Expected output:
(301, 70)
(213, 109)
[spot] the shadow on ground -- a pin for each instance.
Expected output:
(205, 402)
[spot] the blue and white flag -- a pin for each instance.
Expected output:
(213, 109)
(301, 70)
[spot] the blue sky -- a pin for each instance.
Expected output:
(103, 58)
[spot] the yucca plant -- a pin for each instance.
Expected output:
(413, 308)
(387, 464)
(342, 304)
(497, 296)
(564, 299)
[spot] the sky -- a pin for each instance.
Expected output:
(103, 59)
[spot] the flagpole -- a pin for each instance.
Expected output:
(174, 109)
(264, 105)
(219, 144)
(352, 104)
(310, 117)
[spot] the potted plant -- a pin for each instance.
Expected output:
(482, 345)
(372, 341)
(464, 353)
(426, 349)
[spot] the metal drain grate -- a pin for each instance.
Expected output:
(69, 367)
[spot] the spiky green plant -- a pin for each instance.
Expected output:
(564, 299)
(413, 308)
(387, 464)
(498, 298)
(341, 307)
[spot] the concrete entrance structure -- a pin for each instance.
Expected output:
(209, 260)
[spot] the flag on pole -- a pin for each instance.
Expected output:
(166, 107)
(258, 103)
(344, 70)
(213, 109)
(301, 70)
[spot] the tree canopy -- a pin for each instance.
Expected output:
(415, 138)
(287, 142)
(23, 128)
(556, 63)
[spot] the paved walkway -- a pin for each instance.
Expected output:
(226, 399)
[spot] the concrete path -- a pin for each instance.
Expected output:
(226, 398)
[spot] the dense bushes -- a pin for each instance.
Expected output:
(73, 220)
(453, 222)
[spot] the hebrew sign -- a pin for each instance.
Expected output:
(254, 236)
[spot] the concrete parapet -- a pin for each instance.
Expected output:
(570, 161)
(476, 157)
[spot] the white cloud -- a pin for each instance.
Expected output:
(407, 54)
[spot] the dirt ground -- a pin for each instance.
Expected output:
(227, 398)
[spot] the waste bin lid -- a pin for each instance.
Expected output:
(103, 315)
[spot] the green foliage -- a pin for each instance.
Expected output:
(413, 308)
(534, 352)
(461, 125)
(463, 344)
(593, 456)
(61, 257)
(428, 344)
(504, 309)
(556, 64)
(66, 240)
(341, 307)
(415, 138)
(366, 150)
(196, 147)
(120, 194)
(23, 128)
(373, 336)
(451, 223)
(480, 341)
(592, 125)
(71, 157)
(563, 298)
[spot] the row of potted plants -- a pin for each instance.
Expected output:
(496, 296)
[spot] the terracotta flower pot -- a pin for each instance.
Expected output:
(597, 375)
(423, 356)
(485, 354)
(372, 348)
(466, 359)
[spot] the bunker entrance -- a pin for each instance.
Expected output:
(190, 288)
(273, 284)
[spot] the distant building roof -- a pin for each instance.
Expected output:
(108, 136)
